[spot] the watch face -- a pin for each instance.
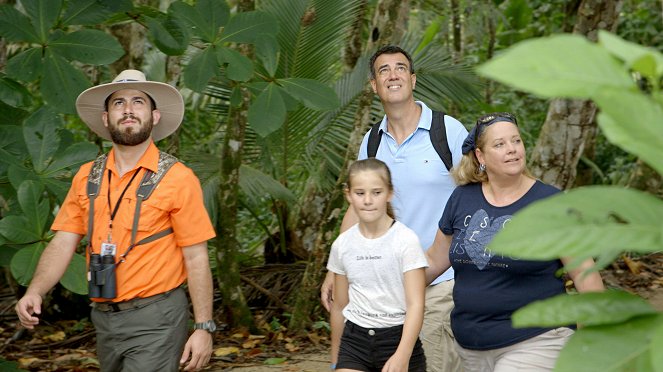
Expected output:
(210, 326)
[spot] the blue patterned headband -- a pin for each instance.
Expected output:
(470, 143)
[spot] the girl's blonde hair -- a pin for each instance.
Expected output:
(377, 166)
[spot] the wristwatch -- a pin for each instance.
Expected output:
(209, 326)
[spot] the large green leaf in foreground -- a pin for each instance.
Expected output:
(584, 222)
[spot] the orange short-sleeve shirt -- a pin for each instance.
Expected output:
(176, 203)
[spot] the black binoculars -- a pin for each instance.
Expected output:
(102, 281)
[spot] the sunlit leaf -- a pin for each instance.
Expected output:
(558, 66)
(274, 361)
(585, 308)
(610, 347)
(246, 27)
(584, 222)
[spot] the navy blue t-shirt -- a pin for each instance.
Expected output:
(490, 287)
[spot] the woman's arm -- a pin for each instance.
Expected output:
(415, 286)
(438, 256)
(336, 318)
(585, 282)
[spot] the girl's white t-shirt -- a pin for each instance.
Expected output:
(375, 268)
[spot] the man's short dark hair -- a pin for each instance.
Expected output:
(388, 49)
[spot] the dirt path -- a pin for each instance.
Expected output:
(309, 362)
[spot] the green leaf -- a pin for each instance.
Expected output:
(14, 93)
(609, 348)
(85, 12)
(205, 19)
(10, 115)
(15, 26)
(88, 46)
(247, 27)
(26, 66)
(35, 208)
(657, 344)
(558, 66)
(584, 222)
(240, 68)
(255, 185)
(39, 132)
(18, 174)
(312, 93)
(627, 119)
(200, 69)
(647, 61)
(168, 35)
(17, 230)
(6, 255)
(74, 279)
(44, 14)
(267, 113)
(62, 84)
(274, 361)
(267, 50)
(74, 156)
(585, 308)
(25, 261)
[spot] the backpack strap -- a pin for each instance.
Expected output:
(438, 137)
(147, 185)
(374, 139)
(94, 179)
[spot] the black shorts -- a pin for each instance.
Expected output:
(368, 349)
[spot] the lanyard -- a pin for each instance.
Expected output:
(117, 205)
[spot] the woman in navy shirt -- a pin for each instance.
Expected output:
(494, 184)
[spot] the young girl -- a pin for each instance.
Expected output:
(379, 282)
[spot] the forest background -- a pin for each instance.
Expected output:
(277, 100)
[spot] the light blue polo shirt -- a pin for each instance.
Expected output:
(422, 184)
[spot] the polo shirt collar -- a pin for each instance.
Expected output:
(425, 118)
(149, 160)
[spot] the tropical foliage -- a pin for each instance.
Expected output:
(621, 331)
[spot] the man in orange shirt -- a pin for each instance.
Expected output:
(152, 246)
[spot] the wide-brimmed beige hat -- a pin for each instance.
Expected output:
(90, 103)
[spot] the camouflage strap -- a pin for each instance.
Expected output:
(147, 185)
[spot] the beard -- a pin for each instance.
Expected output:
(131, 137)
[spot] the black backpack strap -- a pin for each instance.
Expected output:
(438, 137)
(374, 139)
(94, 179)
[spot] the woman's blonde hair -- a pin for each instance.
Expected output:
(468, 170)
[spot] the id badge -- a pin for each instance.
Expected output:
(108, 249)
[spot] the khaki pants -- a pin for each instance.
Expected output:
(536, 354)
(436, 335)
(148, 338)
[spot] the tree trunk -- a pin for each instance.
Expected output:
(233, 302)
(456, 42)
(352, 50)
(388, 25)
(570, 123)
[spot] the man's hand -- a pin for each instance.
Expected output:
(327, 291)
(26, 307)
(198, 350)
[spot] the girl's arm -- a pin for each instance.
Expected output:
(438, 256)
(415, 286)
(336, 316)
(590, 282)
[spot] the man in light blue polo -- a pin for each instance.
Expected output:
(422, 186)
